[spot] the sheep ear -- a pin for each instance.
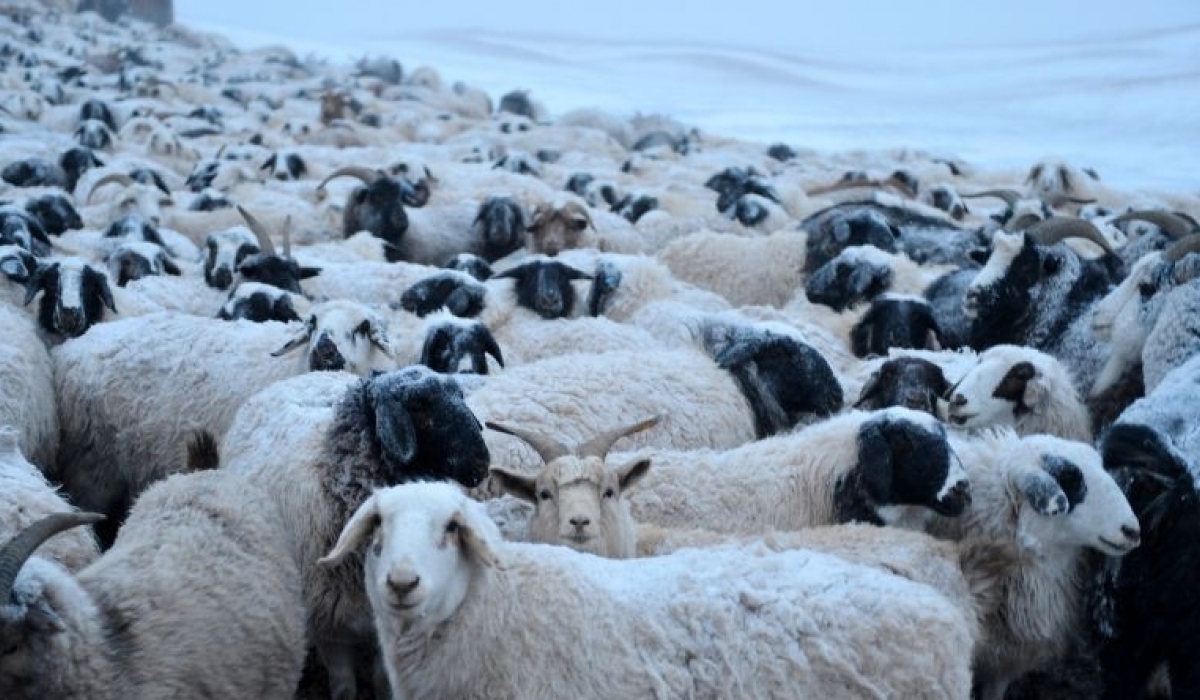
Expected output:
(875, 461)
(869, 390)
(519, 485)
(1014, 386)
(1043, 493)
(393, 429)
(361, 526)
(1069, 477)
(170, 267)
(41, 618)
(307, 272)
(299, 339)
(1065, 178)
(1034, 173)
(378, 334)
(630, 474)
(99, 283)
(472, 543)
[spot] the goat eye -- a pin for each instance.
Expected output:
(545, 494)
(609, 493)
(452, 527)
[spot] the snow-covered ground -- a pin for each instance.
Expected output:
(1107, 84)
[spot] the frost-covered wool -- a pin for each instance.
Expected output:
(26, 496)
(1176, 336)
(486, 610)
(27, 388)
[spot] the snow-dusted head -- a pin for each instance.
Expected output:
(545, 286)
(226, 251)
(577, 498)
(1058, 183)
(904, 459)
(459, 346)
(132, 198)
(378, 204)
(895, 321)
(133, 260)
(1020, 387)
(1069, 500)
(74, 295)
(911, 382)
(285, 166)
(257, 302)
(858, 273)
(558, 226)
(17, 263)
(18, 228)
(500, 224)
(425, 544)
(343, 335)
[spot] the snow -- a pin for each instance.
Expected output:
(1109, 84)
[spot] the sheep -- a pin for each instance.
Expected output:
(1129, 313)
(1052, 499)
(375, 432)
(29, 497)
(1145, 615)
(225, 252)
(27, 401)
(768, 271)
(133, 260)
(74, 296)
(259, 303)
(895, 320)
(559, 226)
(94, 135)
(285, 166)
(886, 467)
(860, 273)
(1036, 293)
(1019, 387)
(129, 391)
(1058, 183)
(378, 206)
(198, 595)
(54, 213)
(146, 200)
(911, 382)
(18, 228)
(441, 573)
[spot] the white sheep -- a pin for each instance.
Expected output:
(1021, 387)
(745, 270)
(27, 399)
(1053, 500)
(130, 391)
(198, 595)
(28, 497)
(439, 577)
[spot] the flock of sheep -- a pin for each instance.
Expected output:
(343, 381)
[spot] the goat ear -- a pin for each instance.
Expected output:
(361, 526)
(1043, 493)
(473, 543)
(630, 474)
(394, 429)
(519, 485)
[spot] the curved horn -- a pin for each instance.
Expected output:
(18, 550)
(1057, 228)
(260, 232)
(110, 177)
(287, 237)
(602, 443)
(367, 175)
(843, 184)
(1010, 197)
(1178, 249)
(899, 185)
(1176, 227)
(1023, 222)
(547, 448)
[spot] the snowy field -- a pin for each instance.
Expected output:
(1108, 84)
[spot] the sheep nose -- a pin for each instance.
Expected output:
(961, 491)
(1133, 534)
(402, 585)
(581, 521)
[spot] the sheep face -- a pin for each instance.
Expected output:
(259, 303)
(283, 273)
(17, 263)
(555, 229)
(903, 460)
(379, 208)
(578, 503)
(846, 227)
(471, 264)
(95, 109)
(54, 213)
(544, 286)
(18, 228)
(226, 252)
(784, 380)
(34, 172)
(1057, 184)
(895, 321)
(1072, 501)
(910, 382)
(342, 335)
(74, 296)
(855, 275)
(95, 135)
(134, 260)
(458, 347)
(500, 224)
(74, 163)
(944, 197)
(285, 166)
(427, 543)
(134, 227)
(1006, 384)
(458, 293)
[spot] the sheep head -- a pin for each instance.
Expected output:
(269, 268)
(555, 228)
(910, 382)
(577, 497)
(1007, 383)
(378, 205)
(342, 335)
(74, 296)
(544, 286)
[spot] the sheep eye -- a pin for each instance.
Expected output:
(1147, 289)
(451, 527)
(545, 494)
(579, 224)
(377, 548)
(609, 493)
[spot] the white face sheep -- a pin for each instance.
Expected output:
(226, 251)
(439, 578)
(1020, 387)
(341, 335)
(74, 297)
(577, 498)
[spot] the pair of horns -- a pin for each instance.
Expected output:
(550, 449)
(264, 238)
